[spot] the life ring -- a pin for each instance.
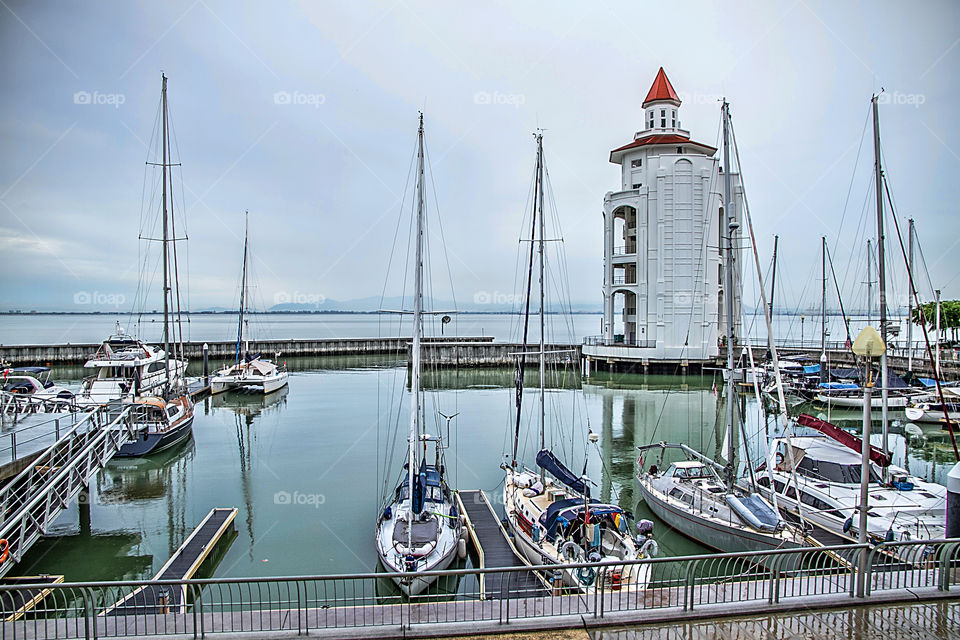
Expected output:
(570, 550)
(4, 550)
(649, 549)
(586, 575)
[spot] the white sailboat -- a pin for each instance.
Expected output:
(249, 372)
(420, 529)
(691, 495)
(554, 520)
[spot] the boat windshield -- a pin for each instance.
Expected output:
(695, 472)
(833, 471)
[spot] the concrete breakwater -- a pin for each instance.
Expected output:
(478, 353)
(50, 354)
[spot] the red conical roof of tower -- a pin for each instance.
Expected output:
(661, 90)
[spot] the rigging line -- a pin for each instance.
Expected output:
(926, 336)
(856, 164)
(771, 343)
(843, 313)
(443, 241)
(923, 260)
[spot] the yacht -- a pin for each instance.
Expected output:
(127, 368)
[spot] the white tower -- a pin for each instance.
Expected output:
(663, 280)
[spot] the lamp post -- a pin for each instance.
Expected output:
(801, 331)
(868, 345)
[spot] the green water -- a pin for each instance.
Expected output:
(305, 466)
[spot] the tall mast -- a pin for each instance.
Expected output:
(910, 233)
(732, 225)
(243, 288)
(869, 281)
(773, 277)
(881, 270)
(417, 328)
(823, 309)
(166, 269)
(540, 243)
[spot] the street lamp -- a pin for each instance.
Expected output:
(868, 345)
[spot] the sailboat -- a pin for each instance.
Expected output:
(698, 496)
(249, 372)
(554, 520)
(164, 420)
(420, 529)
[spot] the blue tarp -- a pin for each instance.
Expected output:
(569, 510)
(811, 368)
(549, 462)
(927, 382)
(838, 385)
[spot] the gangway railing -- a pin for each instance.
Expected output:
(718, 584)
(31, 501)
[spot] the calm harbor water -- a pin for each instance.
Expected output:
(305, 466)
(93, 328)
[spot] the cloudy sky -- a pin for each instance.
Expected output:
(305, 114)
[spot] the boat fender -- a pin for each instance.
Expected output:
(387, 513)
(586, 575)
(649, 549)
(890, 537)
(570, 550)
(848, 524)
(529, 493)
(462, 549)
(4, 550)
(594, 557)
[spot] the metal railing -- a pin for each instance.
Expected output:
(761, 580)
(32, 500)
(616, 341)
(25, 436)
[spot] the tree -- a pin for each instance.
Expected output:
(949, 315)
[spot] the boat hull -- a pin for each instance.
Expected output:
(715, 535)
(151, 443)
(256, 385)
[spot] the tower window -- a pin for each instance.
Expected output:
(637, 185)
(663, 123)
(663, 113)
(673, 118)
(679, 149)
(636, 163)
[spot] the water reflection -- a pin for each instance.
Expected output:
(246, 408)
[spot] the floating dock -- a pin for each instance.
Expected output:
(182, 565)
(16, 604)
(495, 550)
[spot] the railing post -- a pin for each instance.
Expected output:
(773, 591)
(299, 609)
(56, 425)
(946, 559)
(862, 561)
(691, 580)
(13, 445)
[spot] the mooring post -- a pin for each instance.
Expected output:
(206, 365)
(83, 502)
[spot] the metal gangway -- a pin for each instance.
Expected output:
(31, 501)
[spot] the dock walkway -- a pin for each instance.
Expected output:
(496, 551)
(182, 565)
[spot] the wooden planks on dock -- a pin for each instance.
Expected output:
(182, 565)
(496, 551)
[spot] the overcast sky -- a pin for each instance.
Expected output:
(305, 114)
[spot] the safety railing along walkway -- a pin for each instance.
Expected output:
(369, 605)
(31, 501)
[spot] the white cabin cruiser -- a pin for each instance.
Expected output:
(127, 368)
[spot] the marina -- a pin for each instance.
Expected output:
(361, 321)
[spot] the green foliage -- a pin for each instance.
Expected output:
(949, 314)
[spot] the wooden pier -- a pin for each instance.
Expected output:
(182, 565)
(495, 550)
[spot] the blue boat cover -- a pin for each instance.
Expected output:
(569, 509)
(838, 385)
(549, 462)
(927, 382)
(30, 369)
(895, 382)
(811, 368)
